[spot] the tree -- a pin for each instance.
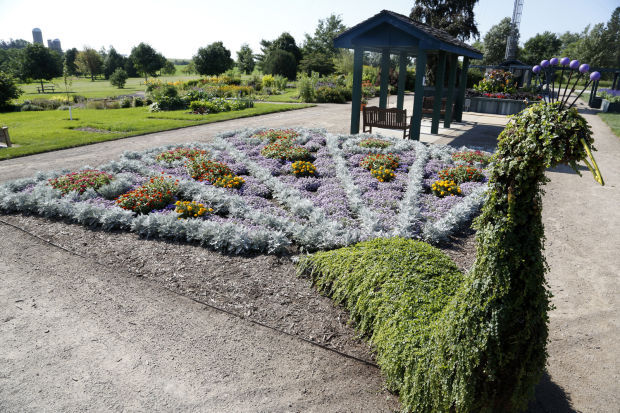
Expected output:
(540, 47)
(8, 90)
(323, 40)
(456, 17)
(612, 37)
(146, 60)
(287, 43)
(40, 63)
(168, 69)
(113, 61)
(495, 42)
(118, 78)
(14, 44)
(213, 59)
(70, 56)
(280, 62)
(245, 59)
(90, 62)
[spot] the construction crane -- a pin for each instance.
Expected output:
(513, 39)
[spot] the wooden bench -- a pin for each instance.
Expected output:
(45, 88)
(428, 103)
(393, 118)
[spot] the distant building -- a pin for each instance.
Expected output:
(37, 36)
(54, 45)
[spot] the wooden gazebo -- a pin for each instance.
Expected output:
(392, 33)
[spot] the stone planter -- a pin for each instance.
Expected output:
(596, 103)
(611, 107)
(496, 106)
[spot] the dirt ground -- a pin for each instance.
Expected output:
(127, 325)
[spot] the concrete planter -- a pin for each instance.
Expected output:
(611, 107)
(496, 106)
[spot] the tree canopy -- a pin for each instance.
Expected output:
(40, 63)
(213, 59)
(146, 60)
(495, 40)
(542, 46)
(90, 62)
(453, 16)
(245, 59)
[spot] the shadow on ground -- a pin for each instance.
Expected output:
(479, 136)
(549, 397)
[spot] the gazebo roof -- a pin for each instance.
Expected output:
(399, 33)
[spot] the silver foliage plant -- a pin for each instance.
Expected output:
(307, 225)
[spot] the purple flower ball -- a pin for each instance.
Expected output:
(584, 68)
(554, 61)
(536, 69)
(574, 64)
(564, 61)
(594, 76)
(544, 63)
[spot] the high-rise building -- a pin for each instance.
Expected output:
(37, 36)
(54, 45)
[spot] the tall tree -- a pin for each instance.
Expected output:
(213, 59)
(90, 62)
(542, 46)
(612, 37)
(245, 59)
(70, 56)
(319, 51)
(495, 42)
(146, 60)
(453, 16)
(14, 44)
(113, 61)
(40, 63)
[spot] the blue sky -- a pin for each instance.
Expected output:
(178, 29)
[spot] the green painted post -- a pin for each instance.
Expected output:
(460, 97)
(356, 98)
(385, 77)
(450, 98)
(439, 79)
(402, 79)
(416, 118)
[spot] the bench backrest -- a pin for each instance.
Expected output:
(428, 102)
(395, 117)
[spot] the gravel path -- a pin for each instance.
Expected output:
(103, 331)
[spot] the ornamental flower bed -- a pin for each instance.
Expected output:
(255, 203)
(80, 181)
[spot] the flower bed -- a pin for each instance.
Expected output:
(255, 202)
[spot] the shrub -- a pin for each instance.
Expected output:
(48, 104)
(8, 90)
(280, 62)
(326, 94)
(306, 86)
(273, 135)
(80, 181)
(461, 173)
(119, 78)
(285, 149)
(138, 102)
(28, 107)
(395, 291)
(190, 209)
(445, 188)
(155, 194)
(383, 174)
(95, 104)
(497, 81)
(229, 181)
(374, 143)
(178, 154)
(202, 169)
(268, 81)
(376, 161)
(471, 157)
(126, 103)
(303, 168)
(114, 104)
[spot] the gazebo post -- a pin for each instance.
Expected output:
(450, 95)
(416, 118)
(385, 77)
(460, 98)
(356, 98)
(402, 79)
(439, 79)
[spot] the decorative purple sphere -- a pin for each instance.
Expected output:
(544, 63)
(584, 68)
(564, 61)
(594, 76)
(536, 69)
(554, 61)
(574, 64)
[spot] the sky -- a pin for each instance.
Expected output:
(178, 29)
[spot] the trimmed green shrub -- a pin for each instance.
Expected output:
(395, 290)
(119, 78)
(8, 90)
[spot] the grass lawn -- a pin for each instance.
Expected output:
(613, 120)
(290, 95)
(35, 132)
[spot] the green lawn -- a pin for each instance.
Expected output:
(613, 120)
(35, 132)
(290, 96)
